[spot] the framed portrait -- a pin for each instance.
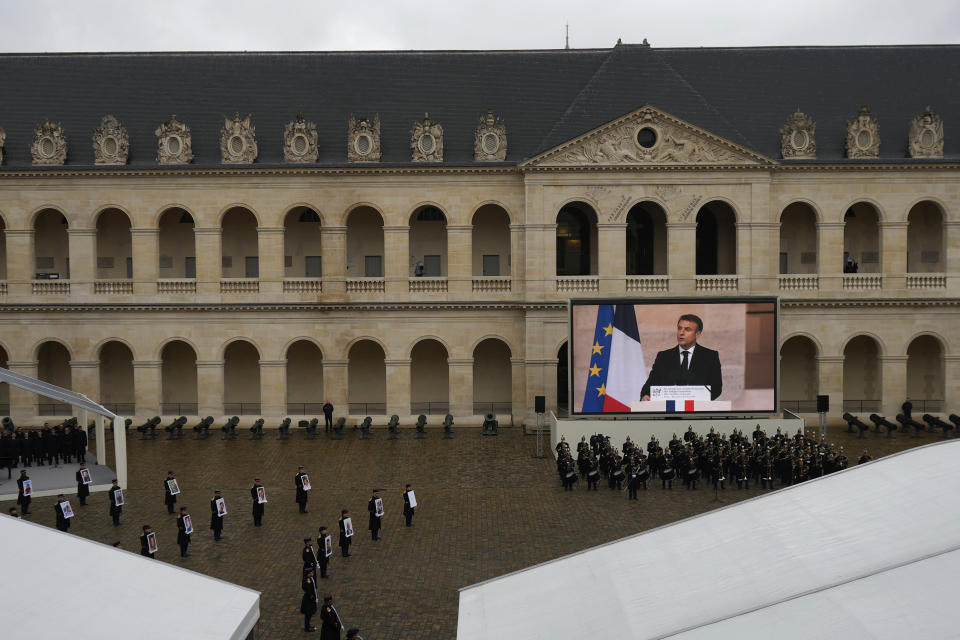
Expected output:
(28, 487)
(118, 497)
(173, 486)
(305, 480)
(85, 476)
(378, 507)
(152, 546)
(327, 546)
(221, 507)
(412, 498)
(261, 495)
(187, 524)
(66, 509)
(348, 527)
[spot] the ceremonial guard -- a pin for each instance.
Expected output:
(309, 556)
(593, 473)
(407, 507)
(63, 522)
(23, 499)
(375, 507)
(170, 491)
(864, 458)
(183, 538)
(331, 626)
(301, 490)
(83, 489)
(256, 491)
(115, 495)
(308, 604)
(344, 538)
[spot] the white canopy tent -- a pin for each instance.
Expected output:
(867, 552)
(115, 594)
(82, 405)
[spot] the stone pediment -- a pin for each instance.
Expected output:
(647, 136)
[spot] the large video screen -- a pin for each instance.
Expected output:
(670, 356)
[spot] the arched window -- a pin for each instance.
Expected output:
(799, 375)
(646, 240)
(114, 246)
(304, 379)
(428, 242)
(798, 239)
(178, 393)
(862, 390)
(861, 238)
(301, 242)
(178, 255)
(367, 379)
(429, 379)
(576, 240)
(241, 379)
(239, 251)
(716, 239)
(364, 243)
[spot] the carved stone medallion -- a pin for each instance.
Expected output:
(426, 140)
(49, 144)
(798, 137)
(863, 135)
(111, 145)
(363, 139)
(174, 145)
(300, 141)
(238, 141)
(926, 135)
(3, 139)
(490, 140)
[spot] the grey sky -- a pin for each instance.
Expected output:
(218, 25)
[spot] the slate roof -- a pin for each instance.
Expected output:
(543, 97)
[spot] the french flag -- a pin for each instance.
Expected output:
(627, 370)
(683, 405)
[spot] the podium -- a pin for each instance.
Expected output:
(679, 399)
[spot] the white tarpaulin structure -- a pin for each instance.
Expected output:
(114, 594)
(868, 552)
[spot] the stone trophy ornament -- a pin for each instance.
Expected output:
(363, 139)
(300, 141)
(490, 140)
(926, 135)
(49, 145)
(426, 140)
(863, 135)
(798, 137)
(3, 139)
(238, 141)
(173, 142)
(111, 145)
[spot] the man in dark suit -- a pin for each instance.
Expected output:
(688, 363)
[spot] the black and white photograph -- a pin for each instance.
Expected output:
(85, 477)
(378, 507)
(261, 495)
(152, 542)
(187, 524)
(67, 509)
(348, 527)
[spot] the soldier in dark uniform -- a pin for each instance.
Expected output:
(327, 416)
(865, 457)
(22, 500)
(144, 545)
(216, 520)
(330, 629)
(309, 556)
(375, 521)
(593, 474)
(257, 505)
(82, 490)
(308, 604)
(183, 538)
(407, 509)
(301, 492)
(115, 508)
(63, 523)
(667, 472)
(169, 498)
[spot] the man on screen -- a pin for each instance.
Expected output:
(688, 363)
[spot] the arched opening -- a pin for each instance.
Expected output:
(178, 254)
(114, 246)
(429, 379)
(364, 243)
(563, 393)
(492, 378)
(304, 379)
(4, 387)
(716, 239)
(51, 245)
(116, 378)
(241, 379)
(925, 379)
(428, 242)
(178, 379)
(798, 239)
(367, 379)
(861, 238)
(301, 244)
(239, 253)
(925, 248)
(646, 240)
(3, 249)
(53, 366)
(799, 375)
(491, 241)
(576, 240)
(862, 389)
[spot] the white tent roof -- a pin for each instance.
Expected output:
(115, 594)
(868, 552)
(53, 391)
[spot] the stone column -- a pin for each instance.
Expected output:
(893, 253)
(210, 381)
(273, 389)
(758, 256)
(335, 386)
(398, 387)
(147, 388)
(208, 260)
(270, 252)
(518, 398)
(460, 261)
(83, 260)
(893, 384)
(951, 243)
(21, 262)
(682, 256)
(612, 258)
(396, 258)
(333, 243)
(830, 256)
(951, 384)
(85, 378)
(23, 404)
(830, 371)
(517, 264)
(461, 386)
(146, 261)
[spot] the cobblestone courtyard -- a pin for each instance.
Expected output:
(487, 507)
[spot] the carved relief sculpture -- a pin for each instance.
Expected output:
(863, 135)
(363, 139)
(174, 144)
(238, 141)
(49, 144)
(426, 140)
(798, 137)
(490, 140)
(3, 139)
(111, 145)
(300, 141)
(926, 135)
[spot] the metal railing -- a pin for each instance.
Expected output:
(54, 409)
(499, 408)
(927, 406)
(242, 408)
(430, 408)
(121, 408)
(305, 408)
(799, 406)
(179, 409)
(861, 406)
(367, 408)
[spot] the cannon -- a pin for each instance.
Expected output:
(229, 429)
(148, 430)
(175, 428)
(936, 423)
(880, 421)
(955, 419)
(202, 428)
(421, 427)
(338, 428)
(256, 431)
(393, 427)
(854, 421)
(490, 425)
(906, 422)
(283, 431)
(8, 425)
(448, 427)
(310, 427)
(365, 428)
